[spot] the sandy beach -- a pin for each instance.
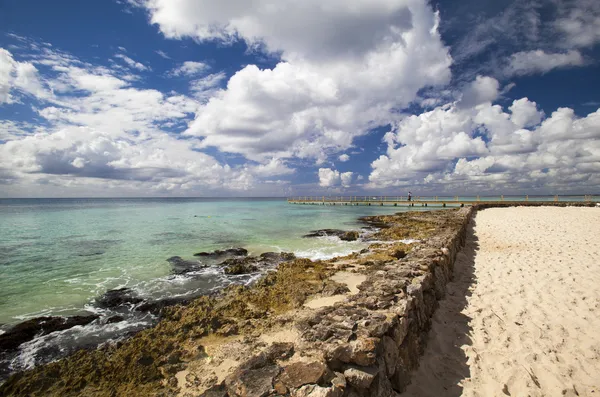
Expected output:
(522, 315)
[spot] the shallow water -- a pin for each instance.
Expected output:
(57, 255)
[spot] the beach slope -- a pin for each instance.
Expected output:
(522, 316)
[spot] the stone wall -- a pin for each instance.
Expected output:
(367, 345)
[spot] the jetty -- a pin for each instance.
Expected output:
(442, 201)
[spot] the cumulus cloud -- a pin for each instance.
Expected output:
(331, 178)
(483, 89)
(100, 126)
(530, 62)
(189, 69)
(344, 67)
(344, 157)
(487, 148)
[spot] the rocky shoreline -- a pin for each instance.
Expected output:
(123, 304)
(349, 326)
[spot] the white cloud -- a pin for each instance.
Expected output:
(332, 178)
(189, 69)
(579, 22)
(100, 127)
(131, 63)
(531, 62)
(483, 89)
(346, 178)
(20, 76)
(344, 157)
(275, 167)
(344, 67)
(486, 148)
(207, 86)
(524, 113)
(162, 54)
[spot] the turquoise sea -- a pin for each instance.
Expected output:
(58, 255)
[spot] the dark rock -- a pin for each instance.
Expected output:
(114, 319)
(155, 307)
(38, 326)
(240, 265)
(118, 297)
(299, 374)
(221, 253)
(278, 256)
(341, 234)
(182, 266)
(399, 254)
(349, 236)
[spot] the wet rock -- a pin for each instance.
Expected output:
(278, 256)
(182, 266)
(38, 326)
(341, 234)
(114, 319)
(360, 377)
(239, 265)
(299, 374)
(118, 297)
(220, 253)
(349, 236)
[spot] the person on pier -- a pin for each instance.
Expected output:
(409, 196)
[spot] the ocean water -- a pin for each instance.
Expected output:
(58, 255)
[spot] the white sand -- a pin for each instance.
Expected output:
(352, 281)
(522, 317)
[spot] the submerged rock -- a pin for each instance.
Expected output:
(341, 234)
(118, 297)
(182, 266)
(38, 326)
(221, 253)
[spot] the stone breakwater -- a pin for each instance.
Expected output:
(349, 326)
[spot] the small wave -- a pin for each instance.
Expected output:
(320, 254)
(55, 345)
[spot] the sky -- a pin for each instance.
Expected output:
(137, 98)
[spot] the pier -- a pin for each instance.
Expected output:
(441, 201)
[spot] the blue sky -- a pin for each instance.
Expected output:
(248, 98)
